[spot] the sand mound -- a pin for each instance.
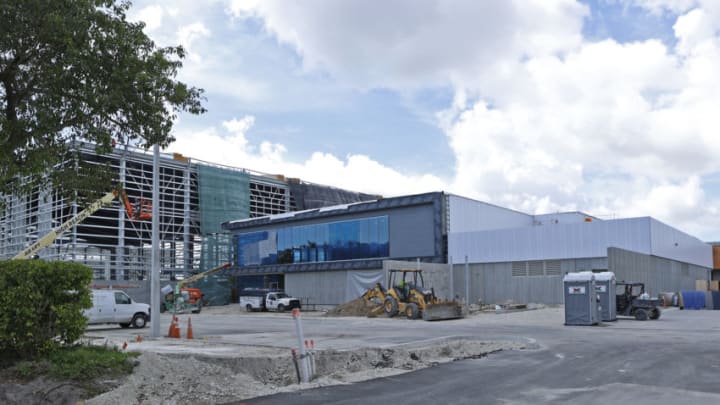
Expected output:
(356, 307)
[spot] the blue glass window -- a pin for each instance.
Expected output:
(343, 240)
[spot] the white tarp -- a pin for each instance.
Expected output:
(358, 281)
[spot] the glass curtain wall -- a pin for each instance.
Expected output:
(345, 240)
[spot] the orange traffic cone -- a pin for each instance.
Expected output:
(189, 329)
(124, 346)
(174, 331)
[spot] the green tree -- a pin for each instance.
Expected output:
(76, 71)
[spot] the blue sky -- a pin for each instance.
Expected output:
(603, 106)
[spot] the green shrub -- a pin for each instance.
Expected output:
(41, 306)
(88, 362)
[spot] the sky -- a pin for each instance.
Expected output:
(608, 107)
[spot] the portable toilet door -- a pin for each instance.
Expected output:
(605, 288)
(581, 304)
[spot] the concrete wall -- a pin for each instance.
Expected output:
(658, 274)
(435, 275)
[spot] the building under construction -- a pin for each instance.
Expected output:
(195, 198)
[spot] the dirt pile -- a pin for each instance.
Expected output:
(196, 379)
(356, 307)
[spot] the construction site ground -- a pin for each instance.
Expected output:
(235, 356)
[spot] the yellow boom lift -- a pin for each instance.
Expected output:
(143, 213)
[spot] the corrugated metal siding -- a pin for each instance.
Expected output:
(320, 288)
(561, 218)
(496, 283)
(467, 215)
(673, 244)
(561, 241)
(659, 274)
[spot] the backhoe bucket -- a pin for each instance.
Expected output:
(445, 310)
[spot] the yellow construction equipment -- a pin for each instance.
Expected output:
(405, 293)
(142, 213)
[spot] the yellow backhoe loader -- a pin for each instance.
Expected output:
(405, 293)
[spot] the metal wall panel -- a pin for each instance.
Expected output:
(659, 274)
(412, 231)
(562, 218)
(467, 215)
(559, 241)
(671, 243)
(320, 288)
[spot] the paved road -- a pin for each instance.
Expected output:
(673, 360)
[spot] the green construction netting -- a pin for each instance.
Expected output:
(216, 250)
(224, 195)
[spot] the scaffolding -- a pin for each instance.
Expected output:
(119, 248)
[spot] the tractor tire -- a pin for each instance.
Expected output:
(412, 311)
(655, 313)
(391, 306)
(641, 315)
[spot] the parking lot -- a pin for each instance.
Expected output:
(674, 355)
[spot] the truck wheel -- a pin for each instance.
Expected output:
(248, 308)
(655, 313)
(162, 308)
(199, 307)
(391, 306)
(641, 315)
(281, 308)
(139, 321)
(412, 311)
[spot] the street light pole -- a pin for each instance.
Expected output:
(155, 255)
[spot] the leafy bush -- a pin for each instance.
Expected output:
(41, 306)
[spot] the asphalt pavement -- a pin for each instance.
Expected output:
(671, 360)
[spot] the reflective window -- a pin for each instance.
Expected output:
(358, 239)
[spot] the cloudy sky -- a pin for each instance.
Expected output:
(610, 107)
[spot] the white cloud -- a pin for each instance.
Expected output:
(151, 15)
(355, 172)
(405, 43)
(188, 34)
(542, 120)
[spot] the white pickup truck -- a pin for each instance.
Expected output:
(262, 300)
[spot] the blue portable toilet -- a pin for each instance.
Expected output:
(581, 299)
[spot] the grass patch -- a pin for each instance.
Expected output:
(88, 362)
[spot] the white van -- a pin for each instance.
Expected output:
(115, 306)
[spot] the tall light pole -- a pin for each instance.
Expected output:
(155, 255)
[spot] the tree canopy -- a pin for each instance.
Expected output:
(76, 71)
